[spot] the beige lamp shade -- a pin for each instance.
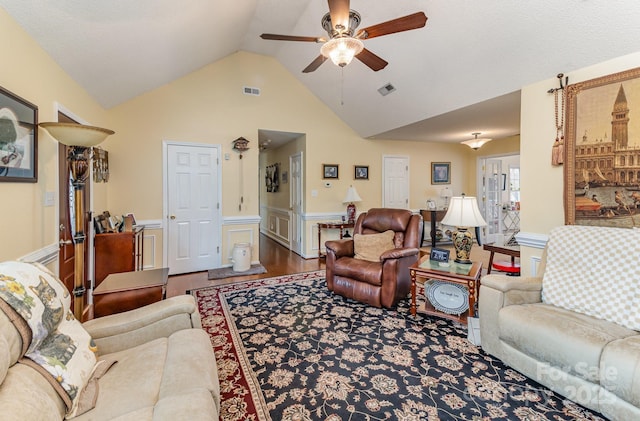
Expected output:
(352, 196)
(463, 212)
(72, 134)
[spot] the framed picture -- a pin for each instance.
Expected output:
(431, 204)
(329, 171)
(602, 167)
(361, 172)
(440, 172)
(18, 139)
(439, 255)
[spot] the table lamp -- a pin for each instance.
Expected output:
(463, 213)
(80, 138)
(352, 196)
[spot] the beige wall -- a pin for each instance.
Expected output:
(27, 71)
(541, 183)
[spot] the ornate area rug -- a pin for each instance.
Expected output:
(289, 349)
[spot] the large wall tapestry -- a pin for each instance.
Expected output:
(602, 166)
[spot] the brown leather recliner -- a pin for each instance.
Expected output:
(383, 283)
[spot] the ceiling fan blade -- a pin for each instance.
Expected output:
(277, 37)
(339, 11)
(405, 23)
(314, 64)
(374, 62)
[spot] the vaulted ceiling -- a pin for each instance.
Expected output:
(459, 74)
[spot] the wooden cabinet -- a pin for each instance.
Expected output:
(117, 252)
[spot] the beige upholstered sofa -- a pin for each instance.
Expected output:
(153, 363)
(575, 328)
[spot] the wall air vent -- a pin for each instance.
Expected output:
(248, 90)
(386, 89)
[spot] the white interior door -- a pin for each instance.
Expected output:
(296, 201)
(395, 193)
(192, 204)
(492, 191)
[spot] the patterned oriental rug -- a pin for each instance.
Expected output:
(289, 349)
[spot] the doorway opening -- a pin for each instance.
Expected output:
(281, 181)
(499, 186)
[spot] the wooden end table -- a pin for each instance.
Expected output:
(513, 251)
(332, 225)
(126, 291)
(466, 275)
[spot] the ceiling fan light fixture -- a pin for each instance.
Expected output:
(476, 143)
(342, 50)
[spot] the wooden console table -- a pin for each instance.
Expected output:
(332, 225)
(433, 216)
(129, 290)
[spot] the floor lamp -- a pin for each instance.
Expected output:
(80, 138)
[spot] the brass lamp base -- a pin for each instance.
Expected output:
(462, 242)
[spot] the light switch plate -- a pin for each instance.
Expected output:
(49, 198)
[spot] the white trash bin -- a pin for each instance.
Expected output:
(241, 257)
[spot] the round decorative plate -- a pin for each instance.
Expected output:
(447, 297)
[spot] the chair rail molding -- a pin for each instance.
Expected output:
(150, 224)
(43, 256)
(532, 239)
(241, 220)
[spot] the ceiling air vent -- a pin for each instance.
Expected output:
(248, 90)
(386, 89)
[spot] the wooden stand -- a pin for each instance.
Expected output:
(130, 290)
(466, 275)
(117, 252)
(331, 225)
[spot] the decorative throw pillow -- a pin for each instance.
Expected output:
(371, 246)
(60, 349)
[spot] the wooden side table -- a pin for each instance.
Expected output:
(332, 225)
(126, 291)
(513, 251)
(465, 275)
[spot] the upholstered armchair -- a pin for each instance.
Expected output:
(373, 266)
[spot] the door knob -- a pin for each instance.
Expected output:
(65, 242)
(172, 217)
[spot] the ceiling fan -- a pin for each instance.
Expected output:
(344, 42)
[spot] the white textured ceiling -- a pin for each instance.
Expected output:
(459, 74)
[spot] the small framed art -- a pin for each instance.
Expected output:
(361, 172)
(439, 255)
(329, 171)
(18, 139)
(440, 172)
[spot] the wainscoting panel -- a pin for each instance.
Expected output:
(239, 235)
(276, 224)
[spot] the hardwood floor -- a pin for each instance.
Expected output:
(277, 259)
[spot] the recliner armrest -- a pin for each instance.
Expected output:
(399, 253)
(507, 283)
(340, 248)
(158, 320)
